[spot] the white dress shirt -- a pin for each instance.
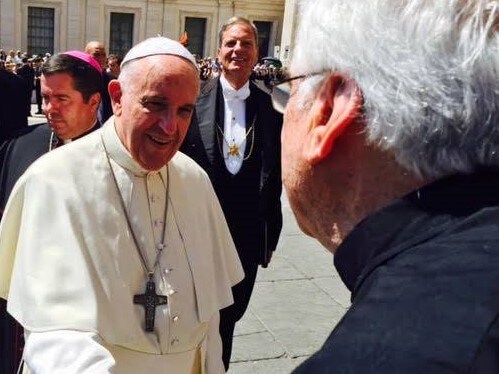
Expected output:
(234, 132)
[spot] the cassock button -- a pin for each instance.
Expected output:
(161, 246)
(175, 341)
(171, 292)
(175, 319)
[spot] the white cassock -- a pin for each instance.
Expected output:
(69, 267)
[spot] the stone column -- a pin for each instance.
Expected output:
(288, 31)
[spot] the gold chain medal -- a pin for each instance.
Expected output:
(233, 150)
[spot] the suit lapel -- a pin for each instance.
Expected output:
(251, 110)
(252, 140)
(253, 113)
(206, 108)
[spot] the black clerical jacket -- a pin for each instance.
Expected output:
(424, 276)
(16, 155)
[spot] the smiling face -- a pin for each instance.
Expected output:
(153, 102)
(67, 113)
(238, 53)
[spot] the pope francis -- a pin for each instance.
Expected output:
(115, 256)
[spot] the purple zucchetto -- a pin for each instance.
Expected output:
(84, 57)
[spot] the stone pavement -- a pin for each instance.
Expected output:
(296, 303)
(35, 118)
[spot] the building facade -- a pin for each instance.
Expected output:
(40, 26)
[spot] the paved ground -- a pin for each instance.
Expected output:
(296, 303)
(35, 118)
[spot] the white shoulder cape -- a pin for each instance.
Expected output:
(66, 252)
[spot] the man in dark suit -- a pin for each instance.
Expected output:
(235, 137)
(37, 65)
(12, 105)
(97, 50)
(27, 73)
(70, 83)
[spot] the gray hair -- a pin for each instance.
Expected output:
(428, 71)
(128, 73)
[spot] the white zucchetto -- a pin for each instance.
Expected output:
(158, 46)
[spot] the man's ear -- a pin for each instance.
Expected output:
(115, 94)
(95, 100)
(335, 108)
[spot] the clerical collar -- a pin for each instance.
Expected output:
(418, 216)
(55, 141)
(120, 154)
(230, 92)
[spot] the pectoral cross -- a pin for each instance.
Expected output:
(150, 300)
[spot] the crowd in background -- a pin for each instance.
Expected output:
(209, 67)
(29, 69)
(25, 70)
(267, 70)
(13, 60)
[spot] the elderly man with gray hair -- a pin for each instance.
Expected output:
(115, 256)
(390, 160)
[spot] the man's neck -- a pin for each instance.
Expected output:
(234, 81)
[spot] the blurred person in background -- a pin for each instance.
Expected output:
(97, 50)
(27, 73)
(113, 65)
